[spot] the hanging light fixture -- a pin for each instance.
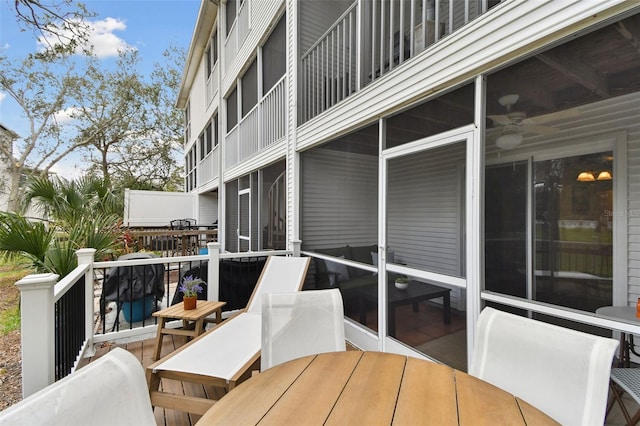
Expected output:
(586, 177)
(604, 175)
(509, 140)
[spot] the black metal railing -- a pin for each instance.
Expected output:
(69, 328)
(128, 295)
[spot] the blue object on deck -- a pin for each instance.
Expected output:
(138, 310)
(203, 251)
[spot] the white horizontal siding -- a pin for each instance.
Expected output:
(424, 209)
(339, 199)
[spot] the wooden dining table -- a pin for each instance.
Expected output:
(369, 388)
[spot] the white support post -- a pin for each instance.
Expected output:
(37, 330)
(213, 272)
(85, 257)
(296, 247)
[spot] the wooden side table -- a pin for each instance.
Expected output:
(192, 320)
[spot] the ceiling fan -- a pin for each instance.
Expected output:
(513, 124)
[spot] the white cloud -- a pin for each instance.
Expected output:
(67, 115)
(2, 96)
(102, 41)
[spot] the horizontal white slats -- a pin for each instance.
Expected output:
(338, 199)
(425, 211)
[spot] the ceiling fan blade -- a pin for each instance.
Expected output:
(540, 130)
(555, 116)
(500, 119)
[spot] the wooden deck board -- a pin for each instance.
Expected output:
(143, 350)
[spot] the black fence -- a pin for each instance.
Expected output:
(128, 295)
(69, 328)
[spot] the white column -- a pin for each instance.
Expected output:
(85, 257)
(213, 272)
(37, 330)
(296, 247)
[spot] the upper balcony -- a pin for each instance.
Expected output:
(348, 45)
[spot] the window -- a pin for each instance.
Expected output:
(274, 56)
(249, 83)
(209, 136)
(572, 232)
(232, 110)
(231, 11)
(190, 169)
(212, 54)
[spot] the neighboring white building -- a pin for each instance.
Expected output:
(7, 136)
(438, 139)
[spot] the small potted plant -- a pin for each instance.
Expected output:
(402, 282)
(190, 287)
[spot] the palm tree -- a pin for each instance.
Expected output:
(80, 214)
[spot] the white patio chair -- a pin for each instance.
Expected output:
(563, 372)
(109, 391)
(299, 324)
(227, 354)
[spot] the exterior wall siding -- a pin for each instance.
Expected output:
(337, 214)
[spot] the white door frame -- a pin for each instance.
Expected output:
(244, 192)
(468, 135)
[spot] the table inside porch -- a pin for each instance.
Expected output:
(355, 387)
(414, 293)
(627, 314)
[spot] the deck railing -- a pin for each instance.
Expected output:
(61, 321)
(369, 40)
(173, 242)
(329, 67)
(260, 128)
(208, 168)
(212, 84)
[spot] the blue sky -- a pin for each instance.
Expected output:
(150, 26)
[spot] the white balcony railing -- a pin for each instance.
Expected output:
(51, 325)
(238, 34)
(329, 67)
(391, 32)
(274, 114)
(260, 128)
(208, 168)
(231, 149)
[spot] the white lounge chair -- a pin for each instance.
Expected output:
(299, 324)
(227, 354)
(563, 372)
(109, 391)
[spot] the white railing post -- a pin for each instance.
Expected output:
(213, 272)
(85, 257)
(296, 247)
(37, 329)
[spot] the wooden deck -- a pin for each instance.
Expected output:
(165, 417)
(143, 350)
